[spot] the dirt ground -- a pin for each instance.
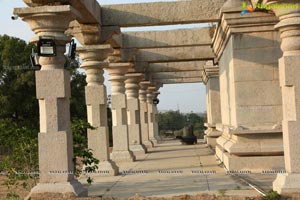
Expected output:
(18, 190)
(178, 197)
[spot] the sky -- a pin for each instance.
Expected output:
(184, 97)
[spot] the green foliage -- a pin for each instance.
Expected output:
(272, 195)
(21, 164)
(222, 192)
(82, 155)
(78, 83)
(171, 120)
(175, 121)
(17, 83)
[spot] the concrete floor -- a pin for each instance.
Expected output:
(169, 169)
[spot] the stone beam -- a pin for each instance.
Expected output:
(90, 10)
(181, 37)
(175, 66)
(170, 75)
(161, 13)
(178, 80)
(175, 54)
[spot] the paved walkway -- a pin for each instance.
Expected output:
(170, 169)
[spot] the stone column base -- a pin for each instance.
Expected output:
(137, 149)
(255, 164)
(154, 141)
(148, 144)
(211, 142)
(211, 137)
(57, 191)
(287, 183)
(122, 156)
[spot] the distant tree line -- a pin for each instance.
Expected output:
(171, 123)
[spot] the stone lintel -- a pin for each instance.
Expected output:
(161, 13)
(90, 11)
(176, 38)
(175, 66)
(170, 75)
(178, 80)
(175, 54)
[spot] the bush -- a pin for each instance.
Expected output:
(272, 195)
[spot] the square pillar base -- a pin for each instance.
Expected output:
(211, 135)
(57, 191)
(154, 141)
(255, 164)
(287, 183)
(148, 144)
(122, 156)
(137, 149)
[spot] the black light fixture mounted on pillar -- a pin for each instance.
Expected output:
(34, 60)
(156, 101)
(46, 47)
(72, 49)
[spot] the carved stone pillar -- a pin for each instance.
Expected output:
(53, 92)
(144, 114)
(289, 73)
(121, 150)
(133, 107)
(151, 114)
(155, 112)
(96, 101)
(210, 78)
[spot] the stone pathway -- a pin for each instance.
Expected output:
(172, 169)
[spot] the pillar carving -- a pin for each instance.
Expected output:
(151, 114)
(53, 92)
(289, 72)
(96, 101)
(121, 150)
(210, 76)
(144, 114)
(133, 107)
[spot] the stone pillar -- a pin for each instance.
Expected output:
(155, 112)
(144, 114)
(121, 150)
(151, 114)
(96, 101)
(210, 77)
(133, 107)
(53, 92)
(247, 49)
(289, 72)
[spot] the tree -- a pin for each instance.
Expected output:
(171, 120)
(175, 121)
(17, 83)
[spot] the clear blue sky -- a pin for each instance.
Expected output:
(186, 97)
